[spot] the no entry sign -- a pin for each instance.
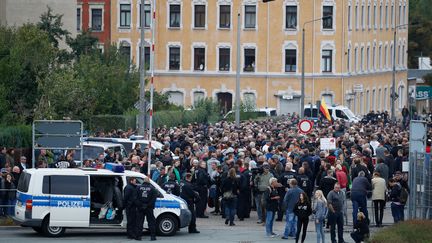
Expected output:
(305, 126)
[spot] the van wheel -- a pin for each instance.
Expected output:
(51, 231)
(166, 225)
(37, 229)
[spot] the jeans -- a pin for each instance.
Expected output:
(302, 224)
(334, 219)
(320, 231)
(291, 224)
(270, 216)
(230, 209)
(379, 211)
(397, 212)
(359, 201)
(257, 198)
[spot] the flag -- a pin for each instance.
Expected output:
(324, 109)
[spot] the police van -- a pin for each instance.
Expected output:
(51, 200)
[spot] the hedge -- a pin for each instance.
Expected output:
(19, 136)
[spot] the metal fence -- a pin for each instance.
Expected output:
(420, 184)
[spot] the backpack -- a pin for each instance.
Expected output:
(403, 198)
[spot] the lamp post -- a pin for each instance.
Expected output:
(393, 95)
(303, 64)
(237, 101)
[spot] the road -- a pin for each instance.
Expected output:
(212, 230)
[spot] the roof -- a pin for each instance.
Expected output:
(417, 73)
(101, 144)
(79, 171)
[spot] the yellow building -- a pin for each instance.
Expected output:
(348, 57)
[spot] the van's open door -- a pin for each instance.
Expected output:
(69, 200)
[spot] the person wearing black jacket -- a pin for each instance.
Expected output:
(201, 180)
(130, 201)
(302, 210)
(190, 196)
(171, 186)
(245, 195)
(147, 196)
(230, 189)
(361, 228)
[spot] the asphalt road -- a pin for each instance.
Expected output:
(212, 229)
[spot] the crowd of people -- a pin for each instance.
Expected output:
(269, 167)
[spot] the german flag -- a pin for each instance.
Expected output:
(324, 110)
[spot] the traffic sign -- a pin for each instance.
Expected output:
(305, 126)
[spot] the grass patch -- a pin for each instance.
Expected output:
(415, 231)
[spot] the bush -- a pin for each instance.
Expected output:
(415, 231)
(109, 122)
(16, 136)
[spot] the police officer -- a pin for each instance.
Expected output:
(202, 180)
(130, 202)
(190, 196)
(284, 179)
(245, 195)
(147, 196)
(171, 186)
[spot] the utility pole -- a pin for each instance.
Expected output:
(142, 108)
(237, 101)
(152, 57)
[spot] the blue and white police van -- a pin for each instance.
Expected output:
(51, 200)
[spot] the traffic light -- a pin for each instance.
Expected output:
(264, 1)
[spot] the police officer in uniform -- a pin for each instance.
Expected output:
(171, 186)
(245, 195)
(130, 201)
(202, 180)
(190, 196)
(284, 179)
(147, 196)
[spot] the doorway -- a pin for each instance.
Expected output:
(225, 101)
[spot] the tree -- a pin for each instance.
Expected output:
(52, 24)
(428, 79)
(83, 43)
(420, 36)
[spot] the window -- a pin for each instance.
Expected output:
(367, 58)
(199, 58)
(249, 57)
(96, 19)
(361, 59)
(327, 22)
(374, 16)
(174, 58)
(380, 57)
(355, 59)
(147, 16)
(326, 60)
(24, 182)
(380, 17)
(198, 96)
(385, 57)
(78, 20)
(400, 15)
(200, 16)
(291, 17)
(224, 59)
(349, 60)
(125, 15)
(250, 16)
(385, 98)
(403, 14)
(386, 16)
(66, 185)
(403, 56)
(174, 15)
(392, 15)
(146, 57)
(356, 18)
(391, 55)
(125, 50)
(373, 58)
(368, 16)
(225, 16)
(367, 101)
(401, 96)
(290, 60)
(349, 17)
(362, 17)
(373, 100)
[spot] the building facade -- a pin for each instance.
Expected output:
(94, 16)
(19, 12)
(348, 56)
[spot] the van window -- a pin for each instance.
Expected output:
(89, 152)
(24, 182)
(273, 113)
(65, 185)
(307, 112)
(341, 114)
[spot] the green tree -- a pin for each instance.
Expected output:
(53, 25)
(420, 36)
(83, 43)
(26, 56)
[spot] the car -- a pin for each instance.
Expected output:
(51, 200)
(92, 150)
(336, 112)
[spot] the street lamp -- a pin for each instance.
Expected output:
(393, 95)
(303, 65)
